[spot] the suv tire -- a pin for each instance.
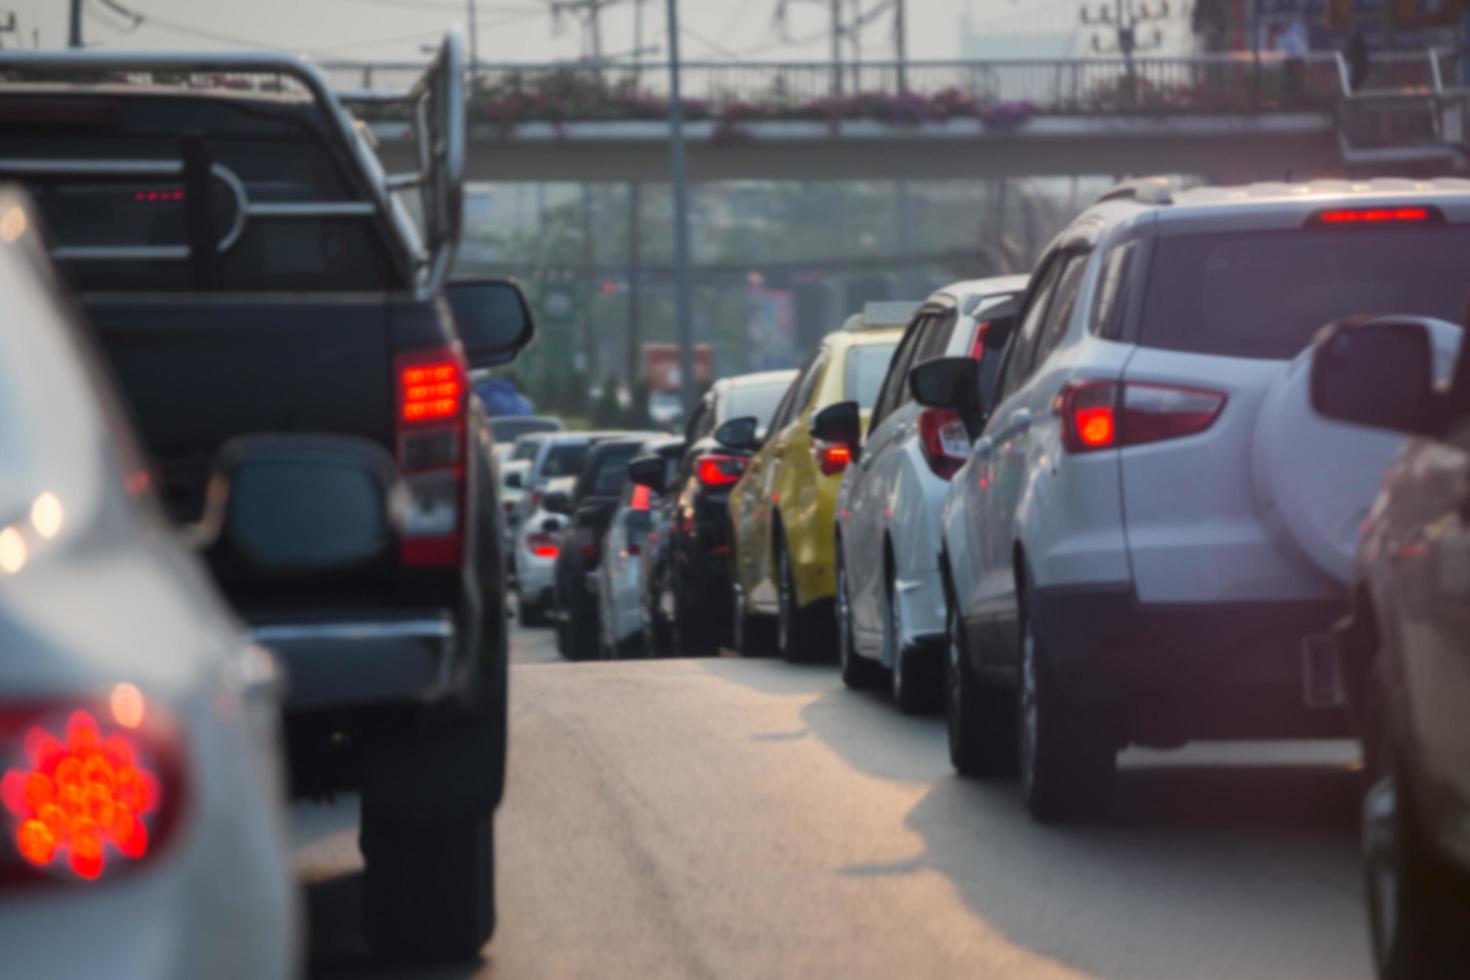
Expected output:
(981, 720)
(1066, 757)
(911, 677)
(858, 672)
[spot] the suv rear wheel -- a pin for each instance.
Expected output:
(1067, 758)
(981, 720)
(858, 672)
(915, 690)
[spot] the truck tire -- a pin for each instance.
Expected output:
(1067, 759)
(429, 887)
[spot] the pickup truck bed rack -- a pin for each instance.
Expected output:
(436, 105)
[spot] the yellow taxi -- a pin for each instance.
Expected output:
(781, 510)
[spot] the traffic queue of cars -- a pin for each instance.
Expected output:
(1135, 498)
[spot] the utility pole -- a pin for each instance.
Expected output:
(836, 47)
(74, 37)
(635, 275)
(683, 305)
(901, 43)
(474, 48)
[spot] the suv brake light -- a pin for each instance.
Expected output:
(1109, 415)
(88, 788)
(719, 470)
(943, 441)
(432, 403)
(1376, 216)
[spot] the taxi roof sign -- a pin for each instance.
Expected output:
(875, 316)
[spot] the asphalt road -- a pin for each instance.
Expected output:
(737, 818)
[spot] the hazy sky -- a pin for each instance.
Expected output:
(519, 30)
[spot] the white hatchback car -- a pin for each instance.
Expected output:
(1152, 536)
(538, 544)
(141, 823)
(890, 600)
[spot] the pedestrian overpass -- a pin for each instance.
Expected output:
(1226, 117)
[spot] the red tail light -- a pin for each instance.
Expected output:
(642, 496)
(719, 470)
(1093, 418)
(432, 399)
(943, 440)
(977, 348)
(832, 457)
(86, 789)
(543, 545)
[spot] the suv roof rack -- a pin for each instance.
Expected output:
(437, 113)
(1144, 190)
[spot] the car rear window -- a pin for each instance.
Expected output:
(1265, 294)
(564, 460)
(758, 400)
(864, 371)
(525, 449)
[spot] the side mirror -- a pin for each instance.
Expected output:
(649, 471)
(296, 505)
(740, 434)
(1378, 373)
(514, 481)
(953, 383)
(840, 424)
(557, 502)
(493, 319)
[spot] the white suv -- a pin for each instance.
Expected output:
(1151, 537)
(890, 602)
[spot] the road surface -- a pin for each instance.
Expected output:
(748, 818)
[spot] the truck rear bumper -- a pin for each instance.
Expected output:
(363, 660)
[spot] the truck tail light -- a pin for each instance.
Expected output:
(719, 469)
(943, 441)
(1414, 214)
(1109, 415)
(432, 402)
(89, 789)
(977, 347)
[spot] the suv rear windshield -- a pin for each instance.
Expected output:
(1264, 294)
(864, 371)
(758, 400)
(564, 460)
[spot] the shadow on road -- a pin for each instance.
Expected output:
(1145, 891)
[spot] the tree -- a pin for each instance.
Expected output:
(637, 416)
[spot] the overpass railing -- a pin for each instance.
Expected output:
(995, 92)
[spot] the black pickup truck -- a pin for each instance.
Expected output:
(277, 311)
